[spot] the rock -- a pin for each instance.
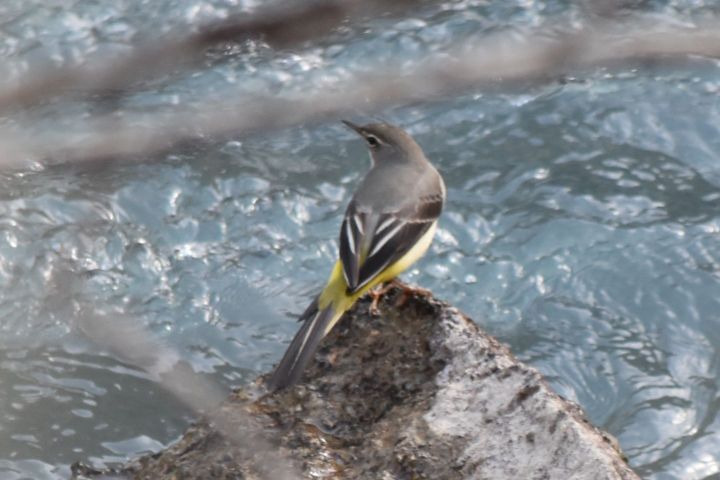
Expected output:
(417, 393)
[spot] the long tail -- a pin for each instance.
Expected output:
(319, 318)
(303, 346)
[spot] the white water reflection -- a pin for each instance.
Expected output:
(581, 227)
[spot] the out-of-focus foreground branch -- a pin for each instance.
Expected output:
(127, 340)
(279, 27)
(499, 60)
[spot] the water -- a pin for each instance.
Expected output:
(582, 228)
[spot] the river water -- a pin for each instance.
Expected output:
(582, 228)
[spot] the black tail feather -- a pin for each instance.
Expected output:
(301, 349)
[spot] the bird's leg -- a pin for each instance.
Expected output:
(376, 294)
(408, 291)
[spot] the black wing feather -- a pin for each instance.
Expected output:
(351, 236)
(394, 234)
(392, 250)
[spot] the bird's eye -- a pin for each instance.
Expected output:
(372, 141)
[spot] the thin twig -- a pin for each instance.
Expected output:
(134, 344)
(501, 61)
(280, 27)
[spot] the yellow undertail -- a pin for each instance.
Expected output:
(335, 293)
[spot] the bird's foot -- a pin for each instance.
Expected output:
(407, 291)
(376, 294)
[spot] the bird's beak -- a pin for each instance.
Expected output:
(353, 126)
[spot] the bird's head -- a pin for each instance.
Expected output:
(387, 142)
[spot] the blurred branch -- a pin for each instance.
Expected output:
(126, 339)
(279, 26)
(500, 60)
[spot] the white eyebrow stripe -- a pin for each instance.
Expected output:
(386, 238)
(384, 225)
(350, 237)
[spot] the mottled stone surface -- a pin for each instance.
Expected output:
(417, 393)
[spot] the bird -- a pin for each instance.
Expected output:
(388, 225)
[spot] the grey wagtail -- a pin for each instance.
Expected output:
(388, 225)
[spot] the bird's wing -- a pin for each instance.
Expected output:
(371, 241)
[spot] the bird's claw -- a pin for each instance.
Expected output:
(406, 292)
(376, 295)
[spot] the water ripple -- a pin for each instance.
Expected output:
(581, 227)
